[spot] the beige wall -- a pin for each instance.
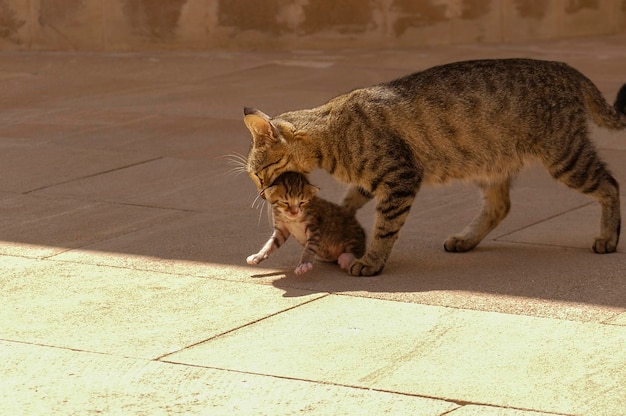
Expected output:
(282, 24)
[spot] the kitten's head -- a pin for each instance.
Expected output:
(291, 192)
(272, 152)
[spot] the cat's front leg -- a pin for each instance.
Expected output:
(276, 240)
(394, 197)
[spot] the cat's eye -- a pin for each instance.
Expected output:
(259, 178)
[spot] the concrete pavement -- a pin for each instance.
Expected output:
(124, 233)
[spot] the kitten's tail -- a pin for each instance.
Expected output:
(602, 113)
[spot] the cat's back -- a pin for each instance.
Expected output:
(470, 118)
(492, 87)
(488, 74)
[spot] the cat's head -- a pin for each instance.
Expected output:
(291, 192)
(274, 149)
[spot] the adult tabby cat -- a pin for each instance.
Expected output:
(479, 121)
(327, 231)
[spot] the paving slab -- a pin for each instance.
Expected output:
(184, 246)
(183, 137)
(54, 164)
(618, 320)
(473, 410)
(39, 227)
(114, 311)
(86, 383)
(570, 229)
(59, 126)
(165, 182)
(52, 78)
(476, 357)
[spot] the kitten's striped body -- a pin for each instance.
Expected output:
(327, 231)
(479, 121)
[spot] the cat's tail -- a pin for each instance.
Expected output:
(602, 113)
(620, 100)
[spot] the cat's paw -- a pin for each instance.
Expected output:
(456, 244)
(602, 246)
(345, 259)
(303, 268)
(359, 267)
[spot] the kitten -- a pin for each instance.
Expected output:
(478, 121)
(327, 231)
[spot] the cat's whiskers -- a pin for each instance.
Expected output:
(260, 203)
(254, 202)
(269, 212)
(238, 162)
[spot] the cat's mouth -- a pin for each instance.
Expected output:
(262, 193)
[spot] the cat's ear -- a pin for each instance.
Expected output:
(261, 127)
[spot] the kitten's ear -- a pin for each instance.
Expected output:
(268, 192)
(261, 127)
(311, 189)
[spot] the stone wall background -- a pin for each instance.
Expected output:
(127, 25)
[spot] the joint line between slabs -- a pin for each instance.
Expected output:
(92, 175)
(161, 357)
(459, 403)
(542, 220)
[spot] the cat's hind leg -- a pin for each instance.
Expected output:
(580, 168)
(496, 205)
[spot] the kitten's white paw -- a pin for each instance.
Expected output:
(345, 259)
(303, 268)
(253, 259)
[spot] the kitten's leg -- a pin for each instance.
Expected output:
(580, 168)
(355, 198)
(309, 252)
(496, 205)
(345, 259)
(354, 247)
(276, 240)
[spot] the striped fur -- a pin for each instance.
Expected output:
(327, 231)
(478, 121)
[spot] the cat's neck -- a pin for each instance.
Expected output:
(311, 123)
(312, 140)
